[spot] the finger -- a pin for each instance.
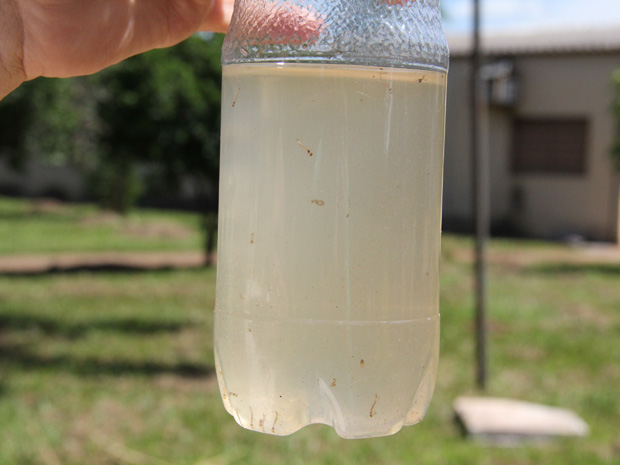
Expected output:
(287, 23)
(281, 22)
(73, 37)
(219, 16)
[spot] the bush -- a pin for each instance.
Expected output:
(116, 186)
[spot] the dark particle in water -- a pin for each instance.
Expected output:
(308, 151)
(235, 99)
(372, 407)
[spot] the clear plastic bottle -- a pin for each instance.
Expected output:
(330, 210)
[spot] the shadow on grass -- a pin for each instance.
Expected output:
(52, 327)
(105, 268)
(573, 268)
(18, 356)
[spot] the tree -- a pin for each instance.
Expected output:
(162, 110)
(159, 110)
(46, 118)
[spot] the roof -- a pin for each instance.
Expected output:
(540, 41)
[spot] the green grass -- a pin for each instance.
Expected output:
(31, 227)
(114, 368)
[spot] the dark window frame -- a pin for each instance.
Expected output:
(550, 145)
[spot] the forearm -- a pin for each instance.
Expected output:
(11, 48)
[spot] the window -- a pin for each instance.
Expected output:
(555, 146)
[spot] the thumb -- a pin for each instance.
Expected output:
(273, 22)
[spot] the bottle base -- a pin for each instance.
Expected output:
(278, 376)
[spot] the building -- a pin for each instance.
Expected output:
(550, 127)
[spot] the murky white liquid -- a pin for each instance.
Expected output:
(328, 254)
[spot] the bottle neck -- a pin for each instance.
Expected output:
(388, 33)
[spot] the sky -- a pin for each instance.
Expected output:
(519, 14)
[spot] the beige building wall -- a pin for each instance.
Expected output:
(540, 205)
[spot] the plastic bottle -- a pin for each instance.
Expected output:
(330, 209)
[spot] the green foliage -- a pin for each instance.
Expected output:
(116, 185)
(158, 110)
(15, 113)
(161, 108)
(616, 108)
(43, 118)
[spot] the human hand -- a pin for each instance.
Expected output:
(62, 38)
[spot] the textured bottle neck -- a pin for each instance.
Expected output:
(391, 33)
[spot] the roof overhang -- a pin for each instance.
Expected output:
(539, 42)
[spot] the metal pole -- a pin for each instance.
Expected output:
(480, 178)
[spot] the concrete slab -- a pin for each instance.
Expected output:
(508, 422)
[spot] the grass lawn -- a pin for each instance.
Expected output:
(49, 227)
(117, 368)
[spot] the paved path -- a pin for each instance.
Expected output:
(64, 262)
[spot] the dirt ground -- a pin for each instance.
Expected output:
(49, 263)
(587, 254)
(66, 262)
